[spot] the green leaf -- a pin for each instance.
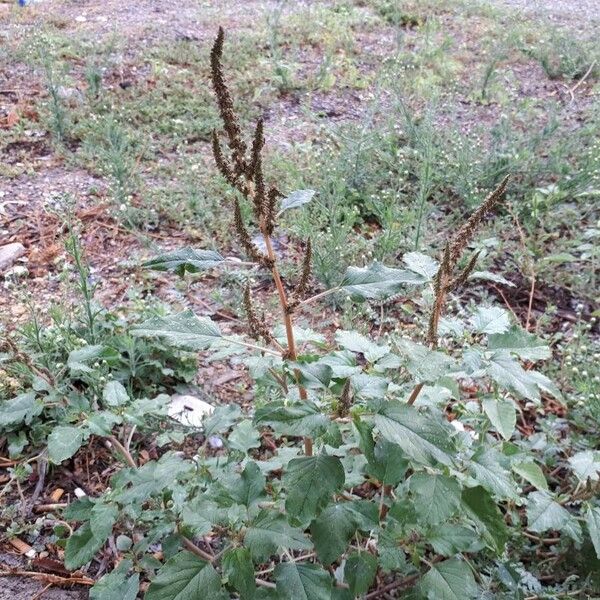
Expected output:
(502, 415)
(78, 359)
(510, 375)
(302, 582)
(423, 438)
(391, 554)
(592, 519)
(249, 487)
(271, 531)
(309, 482)
(532, 473)
(296, 199)
(186, 577)
(437, 497)
(115, 394)
(355, 342)
(244, 436)
(331, 531)
(425, 365)
(116, 585)
(200, 514)
(80, 510)
(185, 329)
(523, 344)
(489, 320)
(185, 259)
(314, 375)
(81, 547)
(298, 419)
(221, 419)
(448, 539)
(360, 571)
(377, 281)
(544, 513)
(488, 276)
(423, 265)
(483, 511)
(21, 408)
(449, 580)
(239, 570)
(486, 466)
(63, 442)
(102, 519)
(586, 465)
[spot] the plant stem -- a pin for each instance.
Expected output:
(189, 545)
(126, 454)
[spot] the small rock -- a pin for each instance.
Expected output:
(9, 254)
(17, 272)
(189, 410)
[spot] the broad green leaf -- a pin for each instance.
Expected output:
(314, 375)
(116, 585)
(449, 580)
(102, 422)
(239, 570)
(102, 519)
(487, 468)
(331, 531)
(423, 265)
(186, 577)
(502, 415)
(271, 531)
(221, 419)
(449, 539)
(296, 199)
(480, 507)
(115, 394)
(532, 473)
(592, 519)
(78, 359)
(184, 329)
(586, 465)
(437, 497)
(302, 581)
(21, 408)
(310, 481)
(185, 259)
(391, 554)
(63, 442)
(544, 513)
(79, 510)
(298, 419)
(511, 376)
(368, 387)
(355, 342)
(377, 281)
(81, 547)
(489, 320)
(523, 344)
(249, 486)
(488, 276)
(425, 365)
(424, 438)
(244, 436)
(201, 514)
(360, 571)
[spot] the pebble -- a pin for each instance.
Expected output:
(9, 254)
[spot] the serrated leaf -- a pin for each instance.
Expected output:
(487, 468)
(184, 329)
(21, 408)
(221, 419)
(544, 513)
(489, 320)
(185, 259)
(510, 375)
(102, 519)
(449, 580)
(449, 538)
(116, 585)
(425, 365)
(523, 344)
(63, 442)
(313, 376)
(423, 265)
(354, 341)
(298, 419)
(360, 571)
(331, 531)
(422, 438)
(186, 577)
(239, 570)
(586, 465)
(592, 520)
(271, 531)
(81, 547)
(488, 276)
(532, 473)
(249, 486)
(302, 582)
(483, 511)
(377, 281)
(310, 481)
(296, 199)
(502, 415)
(78, 359)
(437, 497)
(244, 436)
(115, 394)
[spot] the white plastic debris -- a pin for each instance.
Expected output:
(189, 410)
(79, 493)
